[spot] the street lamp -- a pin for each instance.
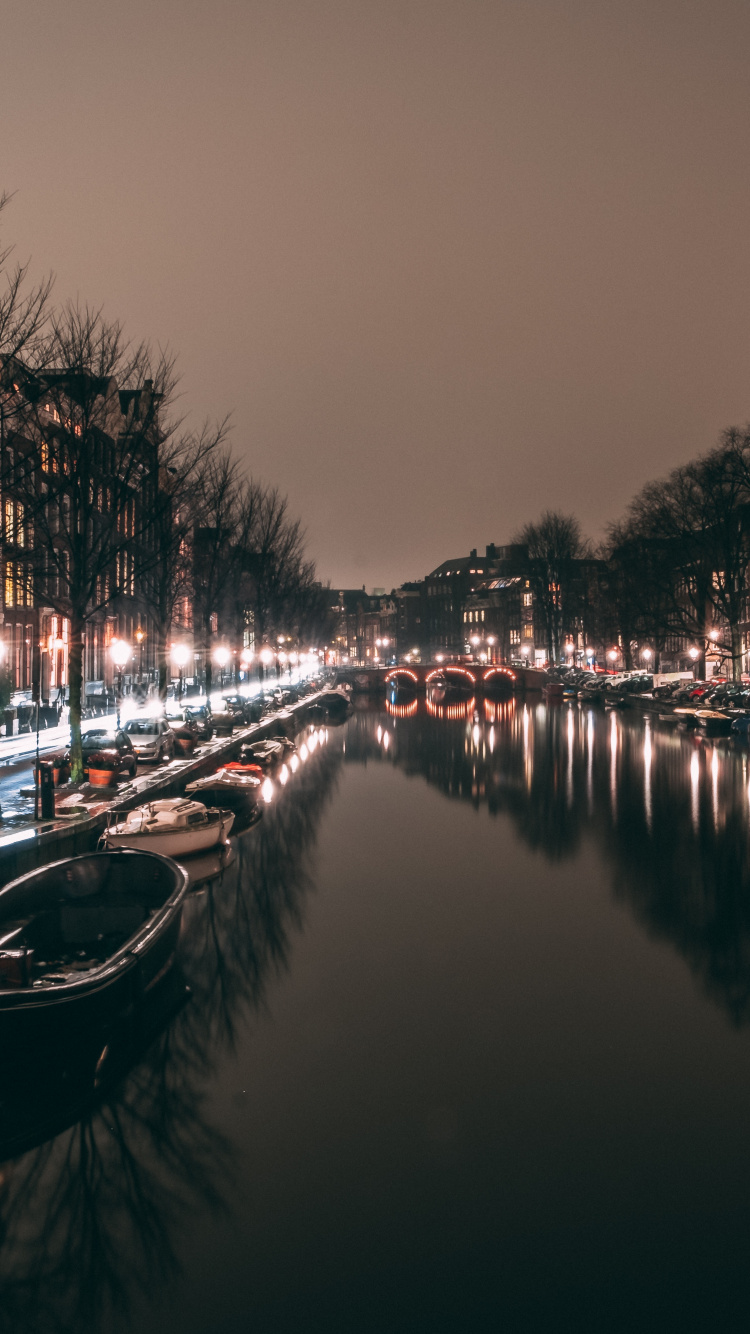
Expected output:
(120, 652)
(140, 636)
(647, 654)
(474, 641)
(612, 655)
(180, 655)
(221, 658)
(491, 641)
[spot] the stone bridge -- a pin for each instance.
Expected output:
(417, 676)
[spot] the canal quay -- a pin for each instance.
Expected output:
(466, 1047)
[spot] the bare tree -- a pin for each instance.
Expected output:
(554, 544)
(84, 476)
(700, 516)
(169, 579)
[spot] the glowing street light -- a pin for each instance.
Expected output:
(120, 652)
(694, 653)
(648, 655)
(612, 655)
(180, 656)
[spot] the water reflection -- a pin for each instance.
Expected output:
(669, 809)
(91, 1217)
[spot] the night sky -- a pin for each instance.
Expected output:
(448, 262)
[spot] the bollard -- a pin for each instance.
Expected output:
(47, 789)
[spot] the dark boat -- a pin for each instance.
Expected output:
(266, 754)
(331, 706)
(83, 940)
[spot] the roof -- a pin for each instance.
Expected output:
(460, 565)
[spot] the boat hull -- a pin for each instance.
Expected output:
(173, 843)
(110, 991)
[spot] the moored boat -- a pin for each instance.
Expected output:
(174, 826)
(266, 754)
(227, 787)
(83, 939)
(712, 722)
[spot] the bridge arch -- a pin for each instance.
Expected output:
(451, 670)
(499, 671)
(397, 672)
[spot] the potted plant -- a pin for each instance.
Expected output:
(103, 768)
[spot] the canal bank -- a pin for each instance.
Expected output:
(33, 843)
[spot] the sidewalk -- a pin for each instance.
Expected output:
(28, 843)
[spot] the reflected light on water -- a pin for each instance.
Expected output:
(283, 775)
(647, 752)
(569, 776)
(613, 762)
(715, 786)
(590, 766)
(695, 776)
(267, 790)
(294, 763)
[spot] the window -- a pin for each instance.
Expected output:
(528, 599)
(528, 631)
(9, 586)
(29, 586)
(214, 623)
(10, 527)
(515, 636)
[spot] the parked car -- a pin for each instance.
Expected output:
(198, 714)
(242, 707)
(151, 738)
(110, 742)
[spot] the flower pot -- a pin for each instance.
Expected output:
(101, 777)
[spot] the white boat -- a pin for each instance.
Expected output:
(173, 826)
(226, 785)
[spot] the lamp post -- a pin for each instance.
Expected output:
(120, 651)
(246, 658)
(140, 636)
(180, 655)
(474, 641)
(265, 658)
(491, 641)
(221, 658)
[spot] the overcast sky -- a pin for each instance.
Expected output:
(447, 262)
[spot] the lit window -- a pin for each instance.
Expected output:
(29, 588)
(528, 598)
(528, 631)
(9, 583)
(9, 522)
(515, 636)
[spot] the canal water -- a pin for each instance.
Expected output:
(466, 1048)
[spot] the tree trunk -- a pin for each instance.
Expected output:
(75, 684)
(736, 651)
(207, 664)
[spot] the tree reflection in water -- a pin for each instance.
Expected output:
(89, 1218)
(670, 810)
